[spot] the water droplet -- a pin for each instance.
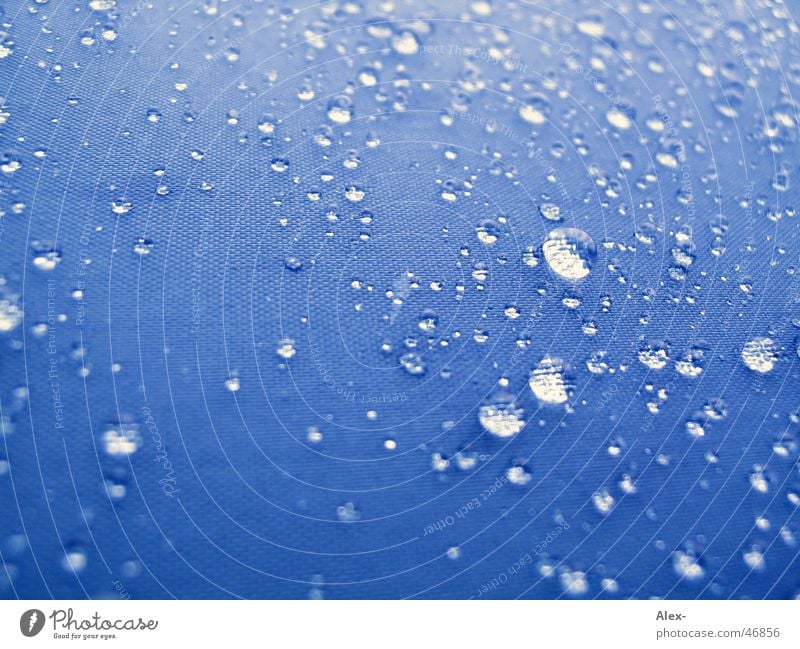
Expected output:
(618, 119)
(405, 43)
(654, 354)
(689, 365)
(121, 206)
(428, 321)
(591, 26)
(715, 409)
(760, 354)
(439, 462)
(75, 559)
(519, 474)
(143, 246)
(348, 512)
(354, 194)
(466, 460)
(759, 480)
(575, 583)
(549, 381)
(687, 566)
(502, 417)
(46, 255)
(293, 263)
(550, 211)
(121, 439)
(286, 348)
(535, 111)
(102, 5)
(487, 232)
(413, 363)
(10, 310)
(340, 110)
(695, 427)
(596, 363)
(754, 559)
(570, 253)
(603, 501)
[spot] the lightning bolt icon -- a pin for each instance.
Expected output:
(32, 620)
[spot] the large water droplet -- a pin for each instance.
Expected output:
(760, 354)
(549, 381)
(502, 417)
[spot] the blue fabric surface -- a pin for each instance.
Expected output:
(227, 228)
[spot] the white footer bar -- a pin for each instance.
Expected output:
(381, 625)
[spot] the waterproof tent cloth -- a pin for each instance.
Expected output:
(399, 299)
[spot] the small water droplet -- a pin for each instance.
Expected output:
(286, 348)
